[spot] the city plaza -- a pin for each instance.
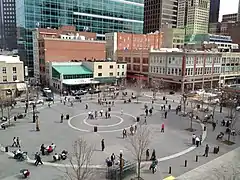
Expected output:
(172, 147)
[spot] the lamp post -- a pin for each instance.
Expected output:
(9, 93)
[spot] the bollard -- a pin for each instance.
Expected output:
(196, 158)
(185, 165)
(170, 170)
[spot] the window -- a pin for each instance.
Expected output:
(118, 73)
(14, 70)
(110, 74)
(14, 77)
(4, 70)
(99, 74)
(4, 78)
(111, 66)
(99, 66)
(122, 73)
(118, 66)
(123, 66)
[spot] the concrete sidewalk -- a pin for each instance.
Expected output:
(226, 166)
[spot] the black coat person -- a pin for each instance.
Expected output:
(146, 112)
(165, 114)
(42, 149)
(150, 111)
(153, 157)
(62, 118)
(169, 107)
(103, 144)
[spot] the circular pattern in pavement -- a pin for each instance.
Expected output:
(104, 125)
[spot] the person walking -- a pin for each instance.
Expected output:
(162, 128)
(38, 159)
(49, 104)
(135, 128)
(150, 111)
(86, 106)
(62, 116)
(42, 149)
(214, 126)
(18, 142)
(169, 107)
(14, 142)
(153, 157)
(103, 144)
(206, 151)
(124, 133)
(113, 157)
(193, 139)
(197, 141)
(165, 114)
(145, 120)
(147, 154)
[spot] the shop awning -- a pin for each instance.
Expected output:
(21, 86)
(79, 81)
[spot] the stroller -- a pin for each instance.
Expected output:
(220, 136)
(21, 156)
(153, 166)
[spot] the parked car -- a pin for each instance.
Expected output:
(133, 97)
(4, 118)
(50, 98)
(94, 91)
(171, 92)
(80, 93)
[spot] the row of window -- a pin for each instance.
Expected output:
(189, 60)
(14, 78)
(110, 67)
(163, 70)
(77, 76)
(4, 70)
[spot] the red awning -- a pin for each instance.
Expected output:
(141, 77)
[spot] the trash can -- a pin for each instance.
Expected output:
(6, 149)
(138, 119)
(95, 129)
(67, 117)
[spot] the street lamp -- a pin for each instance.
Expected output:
(121, 163)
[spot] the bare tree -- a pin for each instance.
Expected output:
(184, 100)
(139, 143)
(80, 160)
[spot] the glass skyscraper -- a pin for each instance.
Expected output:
(100, 16)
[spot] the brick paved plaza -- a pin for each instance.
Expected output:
(172, 147)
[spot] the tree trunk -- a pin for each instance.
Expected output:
(138, 169)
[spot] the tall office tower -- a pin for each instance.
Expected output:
(8, 32)
(238, 18)
(214, 11)
(193, 15)
(157, 13)
(87, 15)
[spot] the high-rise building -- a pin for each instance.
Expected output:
(157, 13)
(94, 16)
(229, 17)
(193, 15)
(8, 32)
(214, 11)
(238, 18)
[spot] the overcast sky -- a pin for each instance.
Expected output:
(228, 7)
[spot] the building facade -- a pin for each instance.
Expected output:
(8, 31)
(238, 18)
(127, 42)
(95, 16)
(214, 11)
(224, 43)
(159, 13)
(62, 45)
(229, 17)
(193, 15)
(214, 28)
(184, 70)
(77, 75)
(230, 68)
(173, 37)
(11, 75)
(137, 64)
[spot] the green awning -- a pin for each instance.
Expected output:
(72, 69)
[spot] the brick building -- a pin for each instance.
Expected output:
(133, 49)
(62, 45)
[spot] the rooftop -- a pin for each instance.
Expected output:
(72, 69)
(10, 59)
